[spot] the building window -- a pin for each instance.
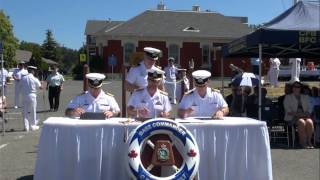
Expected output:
(100, 50)
(128, 50)
(174, 52)
(206, 56)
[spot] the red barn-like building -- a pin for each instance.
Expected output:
(184, 35)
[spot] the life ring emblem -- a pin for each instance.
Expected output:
(183, 140)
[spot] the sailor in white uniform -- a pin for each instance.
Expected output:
(29, 85)
(3, 78)
(183, 81)
(295, 69)
(202, 101)
(17, 75)
(274, 71)
(137, 76)
(150, 102)
(170, 72)
(94, 100)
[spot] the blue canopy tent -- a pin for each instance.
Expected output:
(294, 33)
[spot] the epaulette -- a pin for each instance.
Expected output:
(159, 67)
(189, 92)
(109, 94)
(163, 92)
(215, 90)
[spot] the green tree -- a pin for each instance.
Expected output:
(35, 49)
(10, 43)
(49, 47)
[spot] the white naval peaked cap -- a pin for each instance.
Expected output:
(201, 76)
(152, 52)
(155, 73)
(32, 67)
(95, 79)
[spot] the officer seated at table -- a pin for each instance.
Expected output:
(150, 102)
(93, 100)
(202, 101)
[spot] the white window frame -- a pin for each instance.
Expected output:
(124, 52)
(206, 64)
(177, 58)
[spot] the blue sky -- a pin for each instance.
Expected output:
(67, 18)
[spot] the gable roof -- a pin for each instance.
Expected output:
(23, 55)
(94, 26)
(165, 23)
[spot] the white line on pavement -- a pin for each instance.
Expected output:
(3, 145)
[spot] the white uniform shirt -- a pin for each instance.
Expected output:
(275, 63)
(55, 79)
(3, 76)
(29, 84)
(103, 102)
(156, 104)
(207, 106)
(170, 72)
(138, 75)
(19, 73)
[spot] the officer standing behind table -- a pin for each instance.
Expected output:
(3, 78)
(29, 85)
(202, 101)
(171, 84)
(137, 76)
(94, 100)
(17, 75)
(150, 102)
(274, 71)
(55, 85)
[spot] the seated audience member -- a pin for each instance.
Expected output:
(202, 101)
(298, 111)
(287, 90)
(236, 102)
(252, 104)
(150, 102)
(94, 100)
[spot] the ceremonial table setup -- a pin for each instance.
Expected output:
(72, 149)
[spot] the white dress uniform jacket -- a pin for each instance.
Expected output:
(3, 79)
(29, 85)
(104, 102)
(138, 75)
(18, 74)
(274, 71)
(156, 104)
(203, 107)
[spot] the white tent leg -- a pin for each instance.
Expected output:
(260, 73)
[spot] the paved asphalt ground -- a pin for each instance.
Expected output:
(18, 149)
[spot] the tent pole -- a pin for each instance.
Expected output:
(260, 73)
(222, 76)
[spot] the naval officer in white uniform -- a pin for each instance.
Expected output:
(171, 72)
(273, 72)
(202, 101)
(17, 75)
(29, 85)
(150, 102)
(94, 100)
(137, 76)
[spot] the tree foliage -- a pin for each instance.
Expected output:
(10, 43)
(49, 47)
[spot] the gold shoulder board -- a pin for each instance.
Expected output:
(110, 94)
(164, 93)
(189, 92)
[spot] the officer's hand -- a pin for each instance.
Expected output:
(164, 114)
(78, 111)
(108, 114)
(143, 112)
(218, 115)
